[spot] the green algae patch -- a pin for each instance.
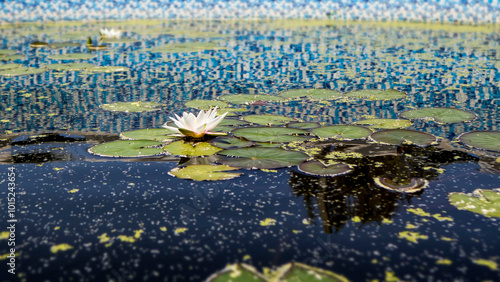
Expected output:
(481, 201)
(491, 264)
(204, 172)
(412, 236)
(61, 247)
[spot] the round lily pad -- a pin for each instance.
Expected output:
(201, 172)
(384, 123)
(345, 132)
(319, 169)
(188, 47)
(481, 201)
(205, 104)
(69, 67)
(237, 273)
(486, 140)
(11, 57)
(10, 66)
(155, 134)
(233, 122)
(440, 115)
(262, 158)
(119, 40)
(270, 134)
(58, 45)
(414, 184)
(72, 56)
(249, 98)
(126, 148)
(311, 93)
(130, 107)
(22, 71)
(303, 125)
(182, 148)
(108, 69)
(268, 119)
(230, 142)
(230, 111)
(301, 272)
(4, 52)
(400, 136)
(375, 94)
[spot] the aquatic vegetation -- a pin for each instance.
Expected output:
(196, 149)
(70, 66)
(311, 94)
(414, 185)
(271, 134)
(343, 132)
(193, 126)
(22, 71)
(303, 125)
(440, 115)
(231, 142)
(126, 148)
(268, 119)
(481, 201)
(376, 94)
(319, 169)
(204, 172)
(154, 134)
(132, 107)
(205, 104)
(486, 140)
(384, 123)
(72, 56)
(249, 99)
(404, 136)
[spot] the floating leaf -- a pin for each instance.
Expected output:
(384, 123)
(11, 57)
(317, 168)
(108, 69)
(72, 56)
(230, 111)
(270, 134)
(58, 45)
(268, 119)
(231, 142)
(375, 94)
(440, 115)
(486, 140)
(311, 93)
(262, 158)
(38, 44)
(249, 98)
(237, 273)
(301, 272)
(482, 201)
(205, 104)
(204, 172)
(126, 148)
(129, 107)
(413, 184)
(22, 71)
(233, 122)
(345, 132)
(10, 66)
(303, 125)
(400, 136)
(4, 52)
(69, 67)
(183, 148)
(119, 40)
(96, 48)
(188, 47)
(155, 134)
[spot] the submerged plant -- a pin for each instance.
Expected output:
(193, 126)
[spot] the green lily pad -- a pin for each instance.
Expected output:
(69, 67)
(39, 44)
(301, 272)
(375, 94)
(22, 71)
(11, 57)
(319, 169)
(384, 123)
(155, 134)
(311, 93)
(182, 148)
(205, 104)
(119, 40)
(230, 142)
(10, 66)
(108, 69)
(268, 119)
(4, 52)
(59, 45)
(130, 107)
(345, 132)
(72, 56)
(440, 115)
(126, 148)
(188, 47)
(202, 172)
(413, 185)
(400, 136)
(249, 98)
(303, 125)
(230, 111)
(233, 122)
(486, 140)
(262, 158)
(270, 134)
(223, 128)
(237, 273)
(481, 201)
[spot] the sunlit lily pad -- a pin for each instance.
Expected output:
(237, 273)
(384, 123)
(271, 134)
(249, 98)
(301, 272)
(69, 67)
(72, 56)
(375, 94)
(413, 184)
(155, 134)
(10, 66)
(119, 40)
(345, 132)
(188, 47)
(319, 169)
(4, 52)
(440, 115)
(233, 122)
(400, 136)
(11, 57)
(130, 107)
(205, 104)
(126, 148)
(311, 93)
(22, 71)
(230, 111)
(303, 125)
(108, 69)
(183, 148)
(202, 172)
(231, 142)
(58, 45)
(262, 158)
(481, 201)
(486, 140)
(268, 119)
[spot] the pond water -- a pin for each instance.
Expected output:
(91, 217)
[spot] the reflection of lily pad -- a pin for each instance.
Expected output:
(108, 69)
(303, 125)
(384, 123)
(188, 47)
(182, 148)
(400, 136)
(311, 93)
(125, 148)
(301, 272)
(259, 157)
(22, 71)
(346, 132)
(155, 134)
(414, 185)
(375, 94)
(482, 201)
(201, 172)
(237, 273)
(440, 115)
(10, 66)
(205, 104)
(69, 67)
(268, 119)
(230, 142)
(270, 134)
(317, 168)
(249, 98)
(129, 107)
(72, 56)
(486, 140)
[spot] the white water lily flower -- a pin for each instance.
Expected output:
(110, 33)
(196, 126)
